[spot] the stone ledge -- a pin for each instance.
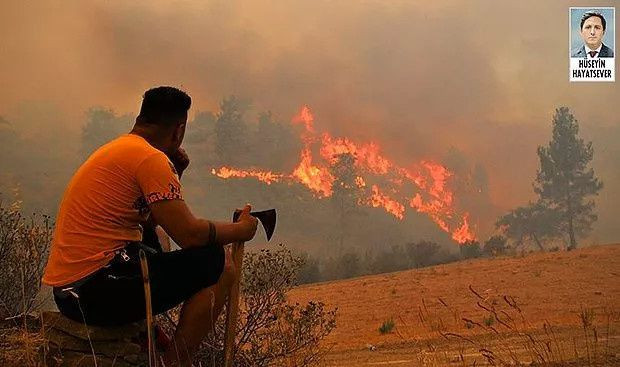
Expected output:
(54, 320)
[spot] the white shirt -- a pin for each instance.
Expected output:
(598, 51)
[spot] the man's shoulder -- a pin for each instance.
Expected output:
(606, 51)
(579, 52)
(129, 147)
(122, 155)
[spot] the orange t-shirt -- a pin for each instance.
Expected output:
(104, 204)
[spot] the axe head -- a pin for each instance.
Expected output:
(266, 217)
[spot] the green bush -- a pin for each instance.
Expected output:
(489, 320)
(423, 253)
(387, 326)
(470, 250)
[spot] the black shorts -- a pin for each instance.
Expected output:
(114, 295)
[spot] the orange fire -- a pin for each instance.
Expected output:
(267, 177)
(379, 199)
(318, 179)
(429, 179)
(463, 233)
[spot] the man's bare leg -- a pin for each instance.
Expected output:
(197, 319)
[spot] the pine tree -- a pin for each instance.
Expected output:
(564, 181)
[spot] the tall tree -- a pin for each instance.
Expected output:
(564, 181)
(230, 131)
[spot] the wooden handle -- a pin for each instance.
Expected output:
(149, 308)
(232, 313)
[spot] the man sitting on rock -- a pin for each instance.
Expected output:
(109, 212)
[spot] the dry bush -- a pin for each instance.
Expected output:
(24, 243)
(22, 344)
(270, 332)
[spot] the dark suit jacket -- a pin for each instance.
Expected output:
(605, 52)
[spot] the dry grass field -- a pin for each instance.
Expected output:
(554, 308)
(542, 309)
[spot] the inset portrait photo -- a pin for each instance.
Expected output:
(592, 44)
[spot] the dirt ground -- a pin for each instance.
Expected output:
(526, 308)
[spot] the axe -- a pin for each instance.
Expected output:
(268, 219)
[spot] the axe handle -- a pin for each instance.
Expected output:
(232, 312)
(146, 280)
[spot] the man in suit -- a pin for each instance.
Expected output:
(593, 26)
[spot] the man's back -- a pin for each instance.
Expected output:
(104, 204)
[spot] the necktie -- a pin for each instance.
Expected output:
(593, 53)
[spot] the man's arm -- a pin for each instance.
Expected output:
(175, 217)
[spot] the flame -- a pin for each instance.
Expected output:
(267, 177)
(318, 179)
(379, 199)
(430, 179)
(367, 156)
(305, 117)
(463, 233)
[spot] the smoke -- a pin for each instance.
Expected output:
(482, 77)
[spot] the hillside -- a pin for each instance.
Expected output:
(553, 288)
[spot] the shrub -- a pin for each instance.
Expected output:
(347, 265)
(470, 250)
(271, 331)
(388, 260)
(489, 320)
(24, 243)
(310, 272)
(422, 253)
(496, 245)
(387, 326)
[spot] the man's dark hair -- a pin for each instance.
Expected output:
(592, 13)
(164, 106)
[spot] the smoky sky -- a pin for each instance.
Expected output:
(420, 78)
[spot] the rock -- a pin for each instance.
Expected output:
(54, 320)
(68, 342)
(77, 345)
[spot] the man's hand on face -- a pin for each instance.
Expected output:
(180, 159)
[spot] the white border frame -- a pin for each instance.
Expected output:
(570, 35)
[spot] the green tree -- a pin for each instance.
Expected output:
(230, 131)
(535, 221)
(102, 125)
(564, 181)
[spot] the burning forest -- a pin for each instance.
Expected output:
(423, 186)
